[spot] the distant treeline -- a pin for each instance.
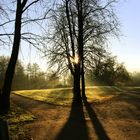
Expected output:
(28, 77)
(135, 79)
(31, 76)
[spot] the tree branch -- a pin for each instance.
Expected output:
(24, 3)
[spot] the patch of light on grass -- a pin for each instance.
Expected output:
(63, 96)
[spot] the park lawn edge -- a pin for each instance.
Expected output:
(94, 94)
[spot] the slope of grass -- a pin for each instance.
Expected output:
(56, 96)
(131, 89)
(63, 96)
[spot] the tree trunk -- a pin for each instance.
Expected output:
(5, 96)
(81, 45)
(76, 84)
(83, 82)
(4, 135)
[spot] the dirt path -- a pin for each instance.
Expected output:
(116, 119)
(50, 118)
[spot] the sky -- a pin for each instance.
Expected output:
(127, 48)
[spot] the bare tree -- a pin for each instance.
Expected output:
(22, 6)
(80, 31)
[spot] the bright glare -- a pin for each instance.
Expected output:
(76, 59)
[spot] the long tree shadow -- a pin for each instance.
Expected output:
(75, 128)
(99, 130)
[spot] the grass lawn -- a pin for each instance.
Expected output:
(63, 96)
(15, 119)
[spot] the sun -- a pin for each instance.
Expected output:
(76, 59)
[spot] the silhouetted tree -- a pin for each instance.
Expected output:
(81, 28)
(109, 71)
(21, 7)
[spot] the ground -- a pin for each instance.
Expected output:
(114, 117)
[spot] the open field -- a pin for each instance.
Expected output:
(63, 96)
(112, 113)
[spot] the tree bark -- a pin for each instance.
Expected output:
(76, 84)
(81, 44)
(4, 135)
(5, 95)
(83, 82)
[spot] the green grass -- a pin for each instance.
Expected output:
(136, 89)
(17, 115)
(63, 96)
(58, 96)
(15, 118)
